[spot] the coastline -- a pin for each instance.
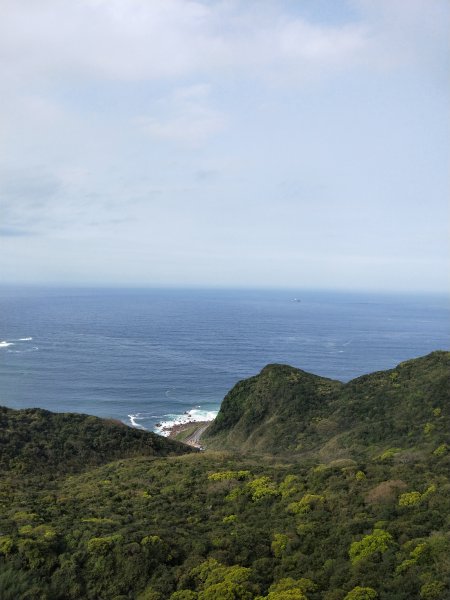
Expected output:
(189, 433)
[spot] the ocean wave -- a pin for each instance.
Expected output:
(5, 344)
(134, 419)
(190, 416)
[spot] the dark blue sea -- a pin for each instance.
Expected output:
(152, 356)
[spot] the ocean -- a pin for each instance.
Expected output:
(154, 357)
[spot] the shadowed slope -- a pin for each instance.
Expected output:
(270, 411)
(34, 439)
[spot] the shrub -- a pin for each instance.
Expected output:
(261, 488)
(289, 486)
(441, 450)
(418, 551)
(307, 503)
(279, 544)
(433, 590)
(102, 545)
(410, 499)
(361, 593)
(229, 519)
(388, 454)
(289, 589)
(6, 544)
(372, 544)
(226, 475)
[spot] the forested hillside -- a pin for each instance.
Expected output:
(36, 440)
(285, 410)
(240, 526)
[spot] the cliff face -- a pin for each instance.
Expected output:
(284, 409)
(32, 440)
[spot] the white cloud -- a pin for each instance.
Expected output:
(102, 101)
(188, 118)
(140, 40)
(117, 39)
(300, 41)
(136, 39)
(406, 32)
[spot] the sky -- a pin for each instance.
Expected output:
(236, 143)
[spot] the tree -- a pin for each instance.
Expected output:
(372, 544)
(361, 593)
(290, 589)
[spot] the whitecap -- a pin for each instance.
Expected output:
(26, 339)
(190, 416)
(198, 414)
(5, 344)
(134, 419)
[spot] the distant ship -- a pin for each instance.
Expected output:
(295, 300)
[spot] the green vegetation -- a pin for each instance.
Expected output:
(186, 433)
(36, 440)
(389, 413)
(278, 410)
(126, 518)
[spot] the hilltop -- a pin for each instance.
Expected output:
(35, 440)
(286, 410)
(329, 491)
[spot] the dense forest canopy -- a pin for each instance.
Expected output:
(352, 503)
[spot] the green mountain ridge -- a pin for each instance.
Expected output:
(286, 410)
(37, 440)
(327, 491)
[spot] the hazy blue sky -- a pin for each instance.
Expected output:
(243, 143)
